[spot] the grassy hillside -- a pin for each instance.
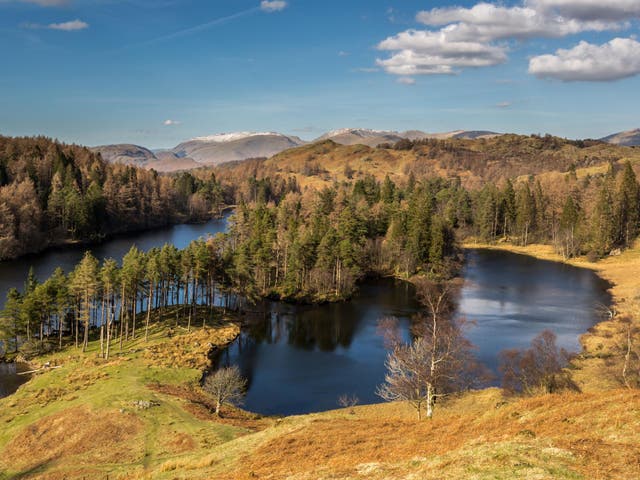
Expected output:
(124, 416)
(142, 415)
(474, 161)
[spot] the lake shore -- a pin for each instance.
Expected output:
(594, 371)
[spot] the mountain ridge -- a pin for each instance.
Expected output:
(220, 148)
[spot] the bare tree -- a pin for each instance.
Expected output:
(226, 386)
(630, 351)
(538, 368)
(438, 362)
(348, 401)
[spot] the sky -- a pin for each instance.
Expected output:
(157, 72)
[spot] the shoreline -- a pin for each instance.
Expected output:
(591, 371)
(68, 244)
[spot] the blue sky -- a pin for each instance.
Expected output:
(158, 72)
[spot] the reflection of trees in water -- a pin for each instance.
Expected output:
(324, 328)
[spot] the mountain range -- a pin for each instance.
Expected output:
(229, 147)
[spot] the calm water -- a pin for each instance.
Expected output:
(301, 359)
(9, 378)
(13, 273)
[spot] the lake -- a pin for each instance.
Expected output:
(300, 359)
(13, 273)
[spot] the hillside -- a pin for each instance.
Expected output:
(473, 161)
(161, 161)
(53, 194)
(141, 415)
(222, 148)
(628, 139)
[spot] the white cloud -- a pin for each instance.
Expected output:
(171, 123)
(616, 10)
(456, 38)
(342, 53)
(407, 81)
(503, 104)
(614, 60)
(70, 26)
(421, 52)
(486, 22)
(273, 6)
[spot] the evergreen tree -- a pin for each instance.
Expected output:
(11, 328)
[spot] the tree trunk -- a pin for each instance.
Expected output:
(146, 327)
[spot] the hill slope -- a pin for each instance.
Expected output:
(474, 161)
(217, 149)
(629, 138)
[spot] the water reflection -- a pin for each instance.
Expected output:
(299, 359)
(10, 379)
(13, 273)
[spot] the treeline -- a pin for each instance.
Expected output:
(318, 244)
(313, 246)
(52, 193)
(108, 298)
(594, 215)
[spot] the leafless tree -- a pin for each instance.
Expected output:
(438, 362)
(630, 351)
(348, 401)
(538, 368)
(226, 386)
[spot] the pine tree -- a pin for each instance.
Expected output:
(627, 213)
(85, 284)
(11, 327)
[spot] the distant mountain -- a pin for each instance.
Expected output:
(372, 138)
(238, 146)
(629, 138)
(126, 153)
(161, 161)
(360, 136)
(229, 147)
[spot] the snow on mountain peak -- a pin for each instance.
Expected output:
(364, 132)
(232, 137)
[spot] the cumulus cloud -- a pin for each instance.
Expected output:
(456, 38)
(422, 52)
(70, 26)
(171, 123)
(616, 10)
(273, 6)
(487, 22)
(407, 81)
(614, 60)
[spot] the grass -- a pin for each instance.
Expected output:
(89, 419)
(85, 418)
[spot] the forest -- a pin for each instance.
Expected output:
(284, 241)
(52, 193)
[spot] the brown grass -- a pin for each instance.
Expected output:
(190, 350)
(201, 406)
(76, 436)
(569, 427)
